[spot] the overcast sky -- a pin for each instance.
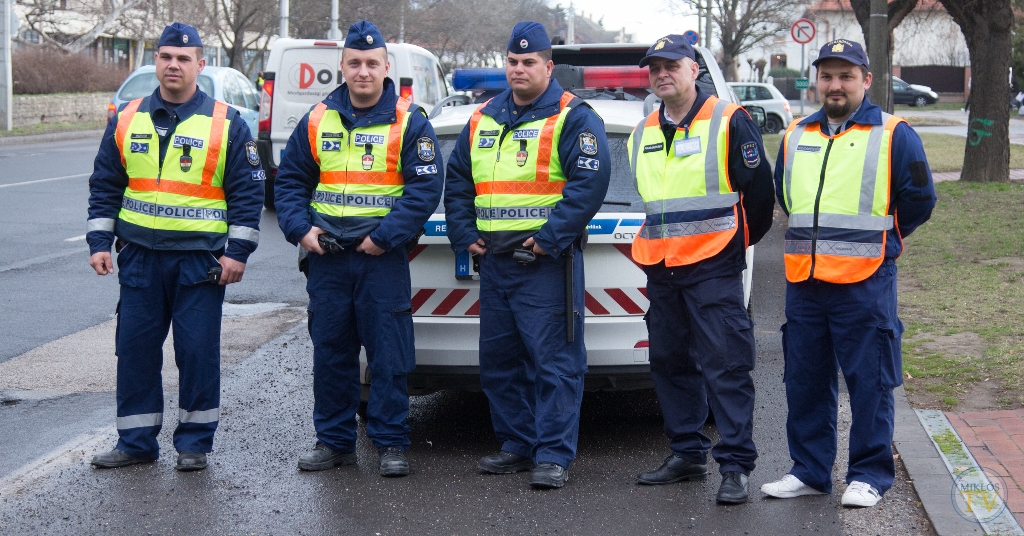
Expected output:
(647, 20)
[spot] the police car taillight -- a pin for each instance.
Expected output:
(111, 111)
(266, 100)
(615, 77)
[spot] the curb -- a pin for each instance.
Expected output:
(51, 136)
(928, 471)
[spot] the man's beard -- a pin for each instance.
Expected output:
(838, 110)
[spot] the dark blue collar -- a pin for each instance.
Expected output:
(382, 112)
(546, 105)
(157, 105)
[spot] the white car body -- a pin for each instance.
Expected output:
(446, 308)
(754, 93)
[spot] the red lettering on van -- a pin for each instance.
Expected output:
(306, 75)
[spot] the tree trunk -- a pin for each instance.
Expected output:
(896, 10)
(986, 25)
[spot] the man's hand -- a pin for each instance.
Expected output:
(100, 261)
(478, 247)
(310, 242)
(231, 270)
(531, 244)
(368, 247)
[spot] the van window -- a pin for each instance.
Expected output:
(425, 83)
(442, 83)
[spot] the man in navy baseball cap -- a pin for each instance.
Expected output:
(363, 35)
(179, 35)
(670, 47)
(843, 49)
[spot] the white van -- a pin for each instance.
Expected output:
(302, 72)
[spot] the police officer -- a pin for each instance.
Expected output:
(854, 181)
(708, 195)
(528, 173)
(178, 182)
(361, 169)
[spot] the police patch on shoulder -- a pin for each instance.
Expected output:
(425, 149)
(751, 156)
(425, 170)
(259, 175)
(588, 143)
(251, 153)
(592, 164)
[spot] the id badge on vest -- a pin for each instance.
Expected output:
(686, 146)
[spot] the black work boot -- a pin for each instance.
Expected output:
(117, 458)
(191, 461)
(324, 457)
(549, 476)
(504, 463)
(393, 462)
(733, 489)
(674, 469)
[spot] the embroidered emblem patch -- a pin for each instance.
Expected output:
(137, 147)
(251, 154)
(588, 143)
(751, 156)
(144, 136)
(367, 162)
(426, 170)
(654, 147)
(485, 143)
(328, 145)
(592, 164)
(489, 132)
(196, 143)
(425, 149)
(259, 175)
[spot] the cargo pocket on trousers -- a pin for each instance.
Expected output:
(740, 333)
(890, 355)
(131, 266)
(785, 362)
(402, 330)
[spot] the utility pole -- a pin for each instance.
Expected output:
(6, 85)
(283, 30)
(878, 54)
(707, 25)
(335, 32)
(570, 31)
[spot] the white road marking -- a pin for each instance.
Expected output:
(75, 238)
(78, 176)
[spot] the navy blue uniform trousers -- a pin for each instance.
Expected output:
(855, 327)
(532, 377)
(702, 352)
(160, 288)
(358, 298)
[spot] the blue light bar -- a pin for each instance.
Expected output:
(479, 79)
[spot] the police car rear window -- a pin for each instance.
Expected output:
(622, 195)
(145, 84)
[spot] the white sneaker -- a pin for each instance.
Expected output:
(860, 494)
(788, 487)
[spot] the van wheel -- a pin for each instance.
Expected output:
(773, 124)
(268, 194)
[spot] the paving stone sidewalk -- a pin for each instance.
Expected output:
(996, 440)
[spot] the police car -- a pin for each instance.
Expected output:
(445, 286)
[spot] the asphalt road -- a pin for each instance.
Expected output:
(55, 307)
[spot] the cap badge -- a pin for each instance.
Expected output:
(838, 47)
(524, 43)
(184, 38)
(369, 40)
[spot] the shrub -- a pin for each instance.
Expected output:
(783, 72)
(38, 71)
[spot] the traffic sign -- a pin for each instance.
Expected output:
(802, 31)
(691, 37)
(803, 83)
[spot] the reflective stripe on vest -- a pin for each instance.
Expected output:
(691, 209)
(518, 173)
(837, 191)
(354, 182)
(186, 193)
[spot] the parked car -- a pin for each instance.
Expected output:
(222, 83)
(445, 286)
(912, 94)
(768, 97)
(302, 72)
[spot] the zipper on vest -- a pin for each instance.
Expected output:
(817, 203)
(504, 132)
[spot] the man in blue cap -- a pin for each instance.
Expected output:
(708, 196)
(525, 178)
(178, 183)
(358, 179)
(854, 181)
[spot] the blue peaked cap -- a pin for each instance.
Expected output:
(179, 35)
(528, 36)
(843, 49)
(363, 35)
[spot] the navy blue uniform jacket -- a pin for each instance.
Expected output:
(750, 175)
(243, 180)
(582, 195)
(299, 174)
(912, 190)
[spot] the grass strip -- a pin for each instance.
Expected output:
(47, 128)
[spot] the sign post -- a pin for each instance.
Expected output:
(802, 31)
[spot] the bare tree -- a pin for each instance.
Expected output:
(52, 21)
(897, 10)
(240, 24)
(986, 25)
(743, 24)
